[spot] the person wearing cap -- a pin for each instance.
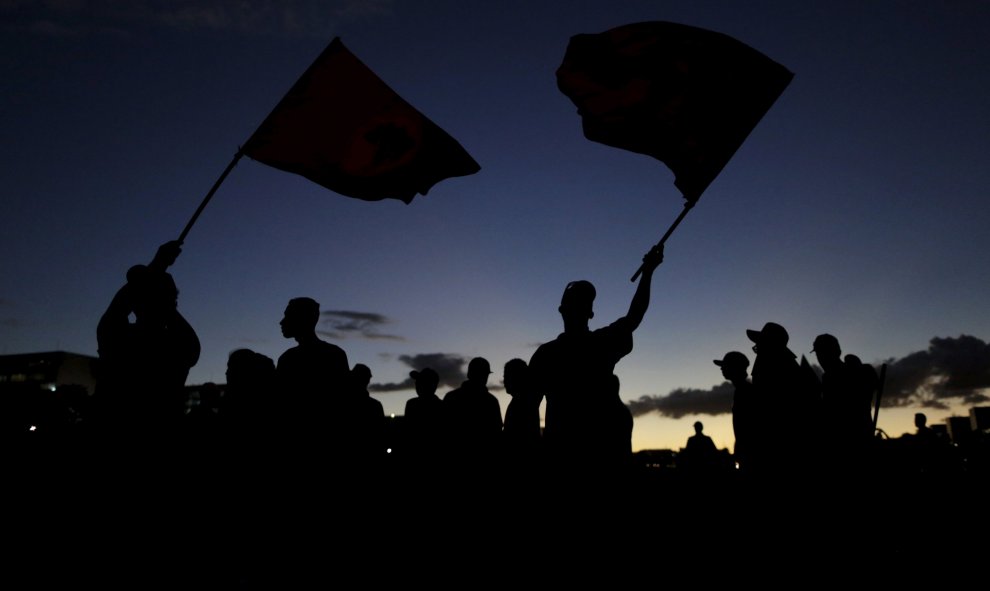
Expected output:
(788, 405)
(735, 368)
(143, 365)
(574, 372)
(846, 404)
(366, 428)
(424, 444)
(474, 416)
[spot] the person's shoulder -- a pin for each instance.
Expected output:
(288, 355)
(551, 344)
(621, 325)
(328, 346)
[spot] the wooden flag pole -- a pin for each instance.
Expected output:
(687, 207)
(209, 195)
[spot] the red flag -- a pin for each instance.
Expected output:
(686, 96)
(342, 127)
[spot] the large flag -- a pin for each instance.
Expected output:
(686, 96)
(342, 127)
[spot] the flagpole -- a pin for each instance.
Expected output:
(209, 195)
(687, 207)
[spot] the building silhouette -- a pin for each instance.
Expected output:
(48, 371)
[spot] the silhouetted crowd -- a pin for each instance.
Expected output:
(294, 454)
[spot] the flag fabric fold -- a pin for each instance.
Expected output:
(342, 127)
(686, 96)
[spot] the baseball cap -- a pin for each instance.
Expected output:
(771, 334)
(825, 342)
(578, 295)
(732, 359)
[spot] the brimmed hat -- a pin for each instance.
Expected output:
(732, 359)
(578, 295)
(824, 342)
(771, 334)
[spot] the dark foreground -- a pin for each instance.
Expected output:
(119, 523)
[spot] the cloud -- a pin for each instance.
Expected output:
(450, 367)
(340, 324)
(248, 17)
(685, 401)
(951, 371)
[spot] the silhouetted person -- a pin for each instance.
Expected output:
(931, 453)
(700, 455)
(249, 400)
(922, 430)
(846, 418)
(313, 378)
(475, 419)
(367, 425)
(251, 451)
(143, 365)
(575, 373)
(424, 444)
(788, 410)
(249, 397)
(521, 431)
(744, 407)
(866, 383)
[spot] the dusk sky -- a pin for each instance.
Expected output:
(857, 206)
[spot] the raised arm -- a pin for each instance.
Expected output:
(641, 299)
(166, 255)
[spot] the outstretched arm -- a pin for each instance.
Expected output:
(641, 299)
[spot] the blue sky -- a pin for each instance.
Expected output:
(856, 207)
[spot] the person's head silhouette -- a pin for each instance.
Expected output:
(734, 365)
(826, 349)
(772, 338)
(300, 318)
(154, 296)
(698, 427)
(427, 380)
(478, 370)
(514, 375)
(577, 301)
(361, 374)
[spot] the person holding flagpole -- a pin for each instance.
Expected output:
(144, 363)
(575, 374)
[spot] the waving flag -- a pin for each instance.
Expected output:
(686, 96)
(342, 127)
